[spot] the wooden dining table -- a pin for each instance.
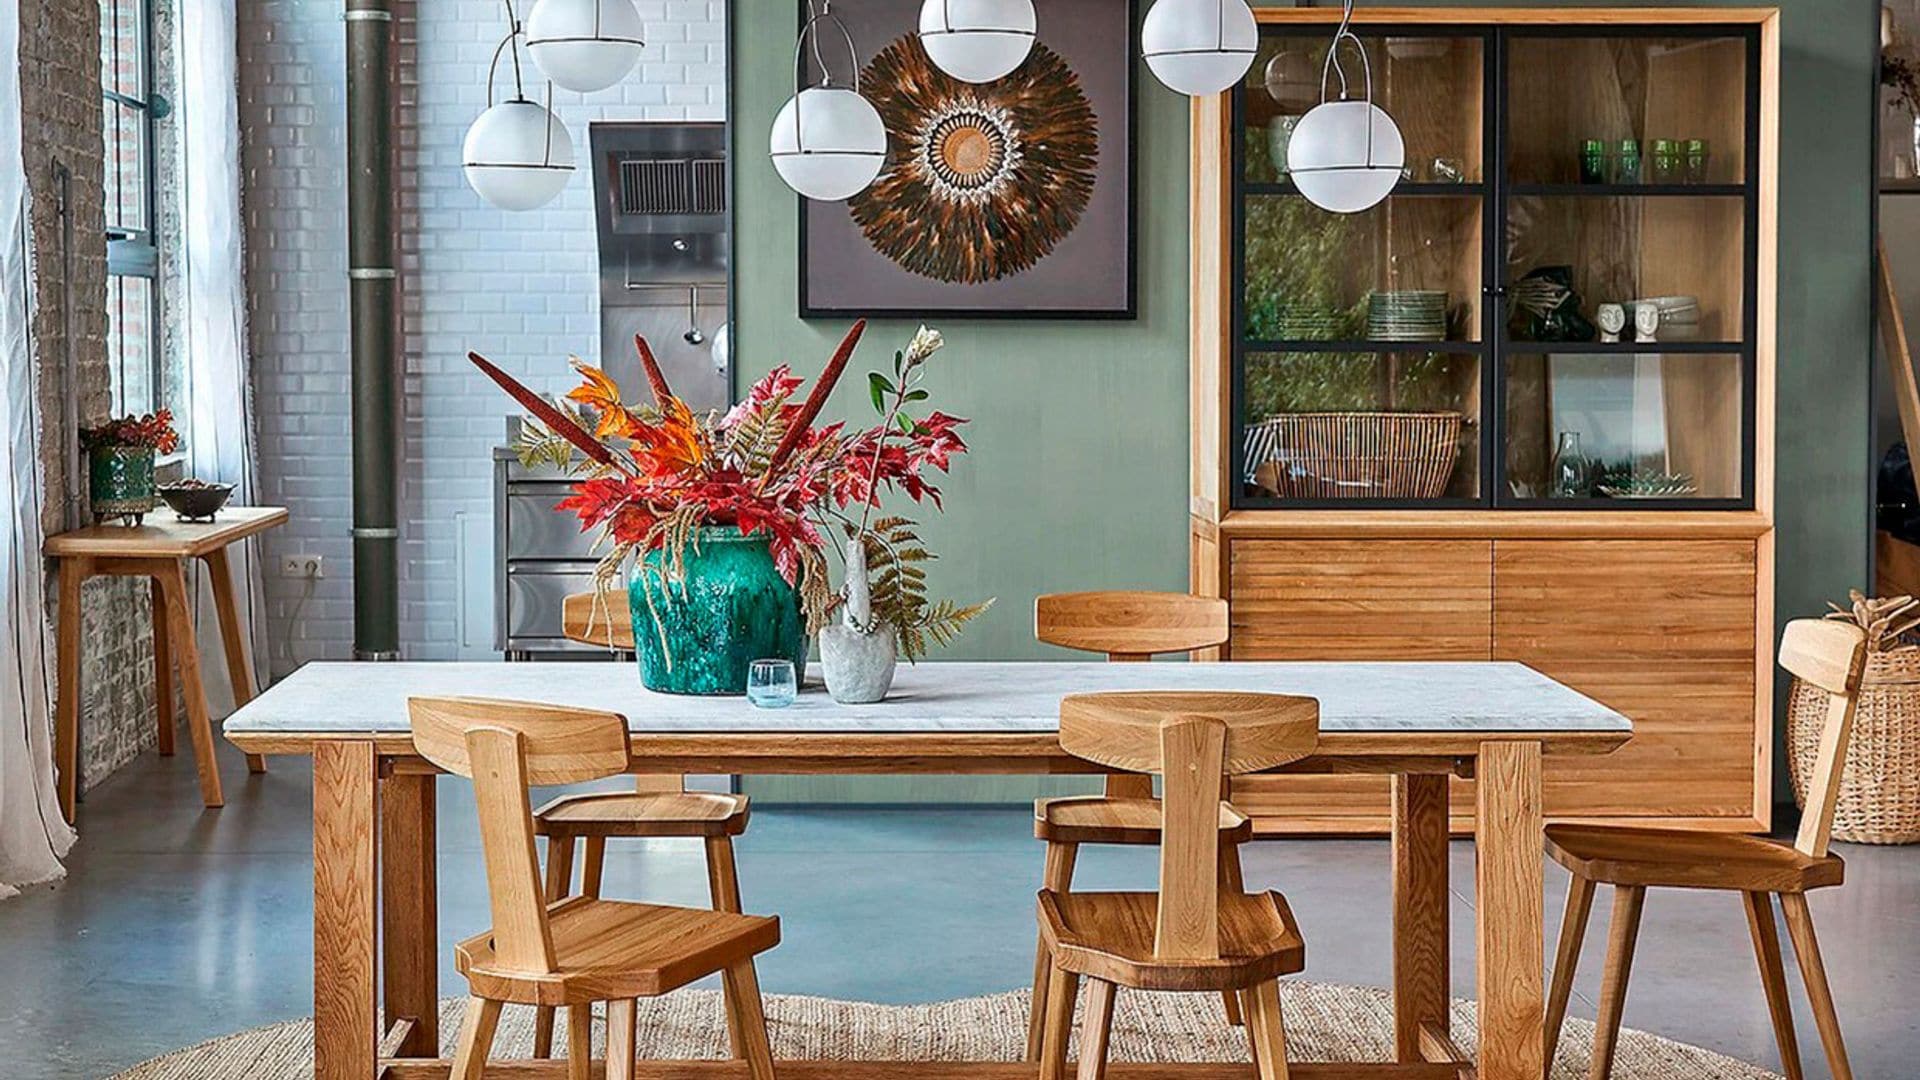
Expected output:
(374, 862)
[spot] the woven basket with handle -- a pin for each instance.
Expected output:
(1356, 455)
(1880, 788)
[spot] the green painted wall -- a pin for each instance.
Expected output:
(1078, 473)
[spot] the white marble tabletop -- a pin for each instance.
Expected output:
(942, 696)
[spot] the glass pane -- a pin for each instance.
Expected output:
(122, 47)
(1687, 253)
(125, 179)
(1624, 426)
(1432, 87)
(1406, 270)
(1661, 92)
(130, 336)
(1322, 425)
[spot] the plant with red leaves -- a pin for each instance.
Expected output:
(153, 431)
(655, 474)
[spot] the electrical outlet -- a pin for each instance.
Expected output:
(303, 566)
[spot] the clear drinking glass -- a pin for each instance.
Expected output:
(771, 684)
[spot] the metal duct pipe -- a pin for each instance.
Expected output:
(376, 421)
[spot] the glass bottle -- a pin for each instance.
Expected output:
(1569, 467)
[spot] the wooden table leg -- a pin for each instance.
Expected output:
(1509, 903)
(345, 1029)
(162, 672)
(409, 911)
(173, 584)
(1421, 965)
(239, 671)
(66, 723)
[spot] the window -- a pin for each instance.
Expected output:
(128, 109)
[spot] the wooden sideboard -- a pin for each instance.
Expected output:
(1662, 610)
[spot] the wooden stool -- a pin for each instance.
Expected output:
(580, 949)
(1127, 626)
(659, 806)
(1826, 654)
(1199, 932)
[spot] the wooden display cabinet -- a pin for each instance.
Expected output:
(1372, 485)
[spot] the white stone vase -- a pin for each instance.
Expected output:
(857, 654)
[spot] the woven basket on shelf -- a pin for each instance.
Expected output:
(1355, 455)
(1880, 789)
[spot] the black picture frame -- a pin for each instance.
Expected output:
(1127, 310)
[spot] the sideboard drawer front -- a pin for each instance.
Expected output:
(1361, 599)
(1692, 751)
(1583, 600)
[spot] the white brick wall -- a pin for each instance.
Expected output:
(520, 288)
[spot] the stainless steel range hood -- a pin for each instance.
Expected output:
(660, 192)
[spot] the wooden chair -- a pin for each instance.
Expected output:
(1200, 931)
(577, 950)
(659, 806)
(1826, 654)
(1127, 626)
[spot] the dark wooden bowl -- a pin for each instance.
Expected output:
(197, 503)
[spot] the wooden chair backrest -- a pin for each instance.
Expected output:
(1831, 655)
(1130, 625)
(607, 621)
(1194, 739)
(593, 619)
(505, 747)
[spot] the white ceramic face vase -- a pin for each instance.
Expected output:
(1612, 319)
(1646, 322)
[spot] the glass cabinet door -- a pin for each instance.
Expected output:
(1361, 337)
(1628, 268)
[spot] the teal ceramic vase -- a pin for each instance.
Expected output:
(120, 482)
(698, 635)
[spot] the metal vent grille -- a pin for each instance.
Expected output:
(657, 186)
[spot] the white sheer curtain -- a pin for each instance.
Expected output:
(33, 835)
(219, 416)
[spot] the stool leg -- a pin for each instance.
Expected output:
(1062, 987)
(162, 672)
(1269, 1031)
(1095, 1029)
(723, 884)
(1233, 884)
(1773, 978)
(1622, 932)
(476, 1038)
(559, 880)
(580, 1041)
(1573, 930)
(595, 865)
(1814, 974)
(1057, 877)
(751, 1026)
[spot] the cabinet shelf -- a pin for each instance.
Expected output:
(1469, 348)
(1406, 189)
(1552, 191)
(1614, 348)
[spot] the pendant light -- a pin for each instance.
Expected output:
(977, 41)
(1346, 155)
(585, 45)
(828, 143)
(517, 154)
(1199, 47)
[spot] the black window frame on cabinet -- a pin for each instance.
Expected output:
(1492, 349)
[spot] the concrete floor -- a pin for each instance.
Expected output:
(177, 925)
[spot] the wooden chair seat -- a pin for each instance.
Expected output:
(1110, 936)
(1689, 860)
(643, 813)
(614, 949)
(1100, 819)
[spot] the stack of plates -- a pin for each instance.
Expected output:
(1307, 322)
(1679, 316)
(1407, 315)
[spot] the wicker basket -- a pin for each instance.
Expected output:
(1880, 788)
(1355, 455)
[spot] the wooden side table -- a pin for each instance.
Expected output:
(158, 550)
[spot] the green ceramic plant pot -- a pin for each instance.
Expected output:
(120, 481)
(698, 635)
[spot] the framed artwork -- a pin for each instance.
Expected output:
(1012, 199)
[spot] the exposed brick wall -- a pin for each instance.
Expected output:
(520, 287)
(60, 111)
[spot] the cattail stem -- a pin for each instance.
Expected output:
(816, 400)
(655, 377)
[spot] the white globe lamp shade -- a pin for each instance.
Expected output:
(518, 155)
(585, 45)
(1332, 162)
(1199, 47)
(828, 143)
(977, 41)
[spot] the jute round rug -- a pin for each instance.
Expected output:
(1324, 1023)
